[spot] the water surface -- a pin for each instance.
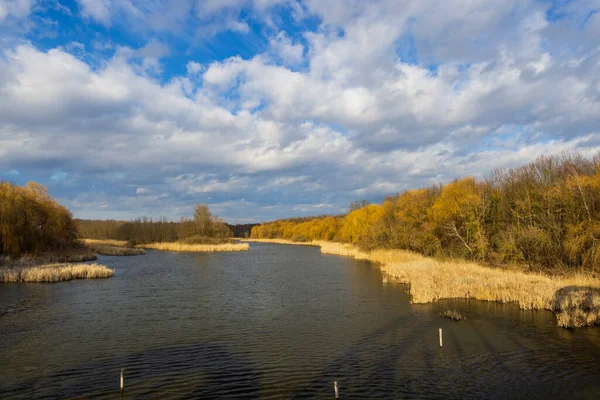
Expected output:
(277, 321)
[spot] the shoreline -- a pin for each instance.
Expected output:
(196, 248)
(575, 300)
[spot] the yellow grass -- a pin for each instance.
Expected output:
(105, 242)
(174, 246)
(575, 299)
(279, 241)
(53, 273)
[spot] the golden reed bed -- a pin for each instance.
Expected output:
(208, 248)
(53, 273)
(575, 300)
(279, 241)
(105, 242)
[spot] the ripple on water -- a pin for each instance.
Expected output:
(276, 322)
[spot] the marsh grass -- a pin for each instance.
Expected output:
(116, 250)
(575, 298)
(209, 248)
(104, 242)
(453, 315)
(53, 272)
(279, 241)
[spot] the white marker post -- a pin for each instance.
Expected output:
(441, 342)
(122, 386)
(335, 389)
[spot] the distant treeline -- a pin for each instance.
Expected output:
(201, 228)
(242, 230)
(149, 230)
(545, 214)
(32, 222)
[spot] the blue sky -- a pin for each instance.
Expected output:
(275, 108)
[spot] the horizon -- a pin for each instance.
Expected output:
(275, 109)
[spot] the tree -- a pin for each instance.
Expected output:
(203, 219)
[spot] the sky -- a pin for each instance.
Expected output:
(266, 109)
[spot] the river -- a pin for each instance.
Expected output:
(277, 321)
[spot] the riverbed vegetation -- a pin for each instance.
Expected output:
(53, 272)
(453, 315)
(529, 235)
(574, 298)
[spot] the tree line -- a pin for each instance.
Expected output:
(203, 227)
(545, 214)
(32, 222)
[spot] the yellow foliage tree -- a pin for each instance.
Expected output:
(459, 212)
(358, 222)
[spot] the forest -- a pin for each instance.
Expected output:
(32, 222)
(543, 215)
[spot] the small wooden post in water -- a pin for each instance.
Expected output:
(122, 386)
(335, 389)
(441, 342)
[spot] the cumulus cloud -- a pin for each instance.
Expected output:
(376, 98)
(15, 8)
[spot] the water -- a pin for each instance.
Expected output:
(276, 322)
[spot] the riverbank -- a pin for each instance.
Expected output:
(53, 272)
(574, 299)
(199, 248)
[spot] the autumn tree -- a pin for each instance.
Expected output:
(203, 219)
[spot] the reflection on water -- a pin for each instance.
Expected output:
(276, 322)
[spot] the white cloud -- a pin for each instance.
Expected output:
(311, 123)
(289, 52)
(16, 8)
(99, 10)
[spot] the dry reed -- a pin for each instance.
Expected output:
(53, 273)
(574, 299)
(105, 242)
(175, 246)
(279, 241)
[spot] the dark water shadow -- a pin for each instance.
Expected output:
(203, 370)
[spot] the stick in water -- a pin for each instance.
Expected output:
(335, 389)
(441, 343)
(122, 369)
